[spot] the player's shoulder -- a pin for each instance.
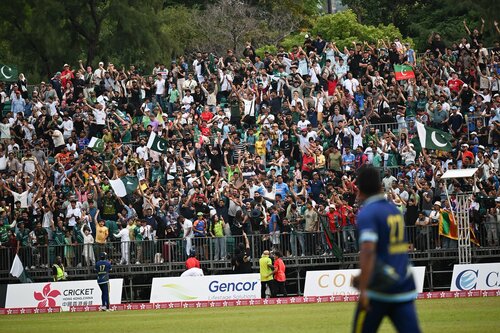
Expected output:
(377, 206)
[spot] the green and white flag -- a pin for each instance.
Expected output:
(97, 144)
(125, 185)
(18, 271)
(8, 73)
(157, 143)
(432, 138)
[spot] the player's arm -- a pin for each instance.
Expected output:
(368, 238)
(367, 263)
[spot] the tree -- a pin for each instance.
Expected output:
(44, 34)
(417, 19)
(343, 28)
(227, 24)
(32, 30)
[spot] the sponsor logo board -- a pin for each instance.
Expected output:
(205, 288)
(339, 282)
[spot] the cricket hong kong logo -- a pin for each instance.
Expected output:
(47, 298)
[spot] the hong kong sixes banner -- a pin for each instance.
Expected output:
(63, 294)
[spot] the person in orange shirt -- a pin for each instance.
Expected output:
(63, 156)
(467, 156)
(192, 261)
(279, 274)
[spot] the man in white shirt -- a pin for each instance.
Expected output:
(5, 130)
(100, 118)
(67, 127)
(73, 213)
(388, 180)
(58, 139)
(189, 84)
(303, 122)
(351, 84)
(99, 73)
(198, 68)
(187, 225)
(160, 89)
(187, 100)
(142, 151)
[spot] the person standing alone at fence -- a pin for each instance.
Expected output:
(103, 267)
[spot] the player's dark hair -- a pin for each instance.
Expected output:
(368, 180)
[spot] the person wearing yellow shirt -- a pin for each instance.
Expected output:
(320, 160)
(266, 274)
(260, 147)
(101, 236)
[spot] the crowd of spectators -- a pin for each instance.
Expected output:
(263, 146)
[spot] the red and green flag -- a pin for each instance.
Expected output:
(404, 72)
(447, 225)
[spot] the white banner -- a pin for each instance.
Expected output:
(64, 294)
(141, 174)
(339, 282)
(205, 288)
(475, 277)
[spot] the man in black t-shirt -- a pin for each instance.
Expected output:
(286, 145)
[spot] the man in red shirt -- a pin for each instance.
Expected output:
(66, 76)
(308, 162)
(206, 115)
(192, 262)
(455, 84)
(279, 274)
(467, 156)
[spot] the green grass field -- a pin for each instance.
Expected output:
(442, 315)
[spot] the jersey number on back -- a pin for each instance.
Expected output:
(102, 268)
(396, 234)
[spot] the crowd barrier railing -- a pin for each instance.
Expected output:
(177, 250)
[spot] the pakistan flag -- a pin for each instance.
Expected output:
(432, 138)
(124, 185)
(97, 144)
(157, 143)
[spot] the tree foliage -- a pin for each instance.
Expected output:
(417, 19)
(342, 28)
(45, 34)
(39, 36)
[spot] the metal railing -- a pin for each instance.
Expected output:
(176, 250)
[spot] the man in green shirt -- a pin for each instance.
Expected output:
(173, 98)
(4, 238)
(23, 240)
(377, 159)
(138, 242)
(41, 243)
(266, 274)
(4, 229)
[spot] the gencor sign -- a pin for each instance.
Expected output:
(339, 282)
(475, 277)
(205, 288)
(63, 294)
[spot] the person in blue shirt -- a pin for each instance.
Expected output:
(103, 267)
(385, 283)
(348, 160)
(281, 187)
(274, 229)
